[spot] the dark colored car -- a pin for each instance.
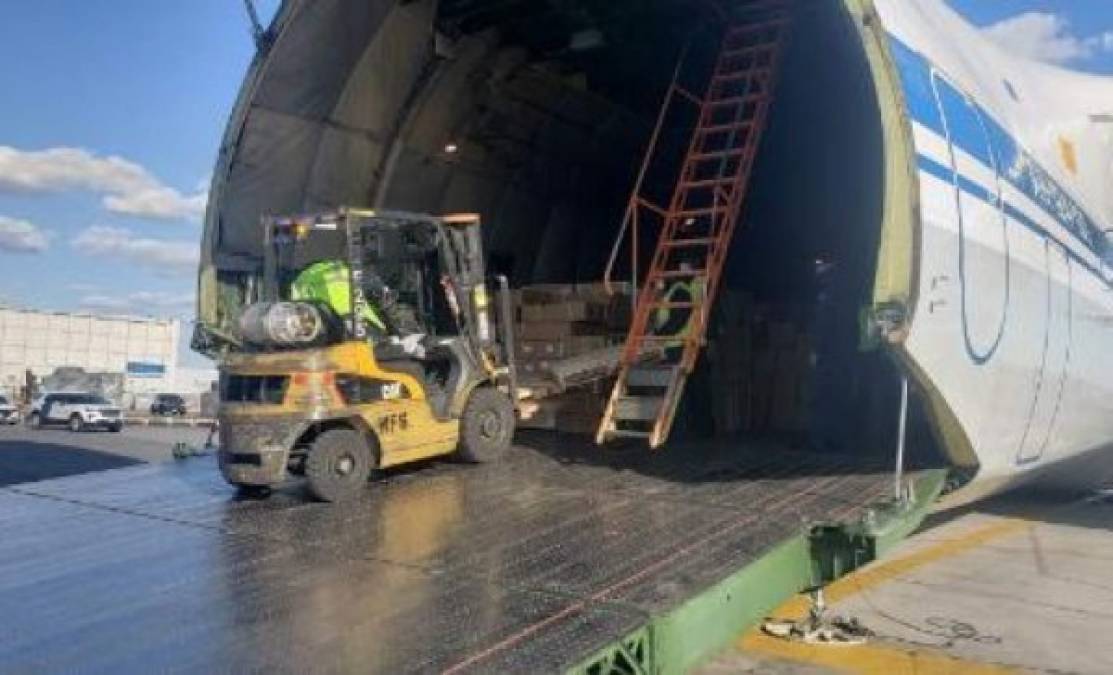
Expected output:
(168, 404)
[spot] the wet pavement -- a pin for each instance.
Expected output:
(526, 566)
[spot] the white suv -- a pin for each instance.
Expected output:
(9, 414)
(76, 411)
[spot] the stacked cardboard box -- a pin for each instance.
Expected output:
(759, 360)
(758, 357)
(558, 322)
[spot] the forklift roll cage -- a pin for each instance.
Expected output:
(363, 239)
(391, 244)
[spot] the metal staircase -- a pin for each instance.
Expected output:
(697, 226)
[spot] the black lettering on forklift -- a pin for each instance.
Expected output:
(388, 424)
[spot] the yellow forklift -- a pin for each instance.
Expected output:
(333, 396)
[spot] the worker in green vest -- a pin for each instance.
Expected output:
(396, 334)
(329, 282)
(677, 322)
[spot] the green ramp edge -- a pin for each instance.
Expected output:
(683, 637)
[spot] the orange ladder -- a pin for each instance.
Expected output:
(697, 227)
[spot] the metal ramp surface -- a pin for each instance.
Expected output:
(528, 566)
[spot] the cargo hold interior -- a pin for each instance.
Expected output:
(536, 115)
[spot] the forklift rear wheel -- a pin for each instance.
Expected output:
(487, 426)
(338, 465)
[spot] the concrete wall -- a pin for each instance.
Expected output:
(43, 341)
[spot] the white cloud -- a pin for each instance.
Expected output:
(158, 202)
(140, 302)
(162, 255)
(1045, 36)
(128, 188)
(22, 236)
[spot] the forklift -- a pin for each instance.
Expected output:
(310, 392)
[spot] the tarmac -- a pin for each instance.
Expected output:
(31, 455)
(1021, 583)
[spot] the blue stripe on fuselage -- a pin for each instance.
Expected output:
(945, 174)
(1018, 167)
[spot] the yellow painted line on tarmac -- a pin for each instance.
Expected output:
(880, 659)
(871, 659)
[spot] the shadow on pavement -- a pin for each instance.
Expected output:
(26, 461)
(1076, 492)
(726, 460)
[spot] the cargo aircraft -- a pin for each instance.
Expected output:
(967, 187)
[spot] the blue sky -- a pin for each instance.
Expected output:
(110, 121)
(147, 83)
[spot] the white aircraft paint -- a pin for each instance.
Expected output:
(1014, 325)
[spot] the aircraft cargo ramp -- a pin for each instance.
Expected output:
(564, 557)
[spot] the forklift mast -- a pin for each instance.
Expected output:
(465, 276)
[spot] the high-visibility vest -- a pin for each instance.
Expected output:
(328, 282)
(677, 322)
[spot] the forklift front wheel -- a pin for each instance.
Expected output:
(253, 492)
(338, 465)
(487, 426)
